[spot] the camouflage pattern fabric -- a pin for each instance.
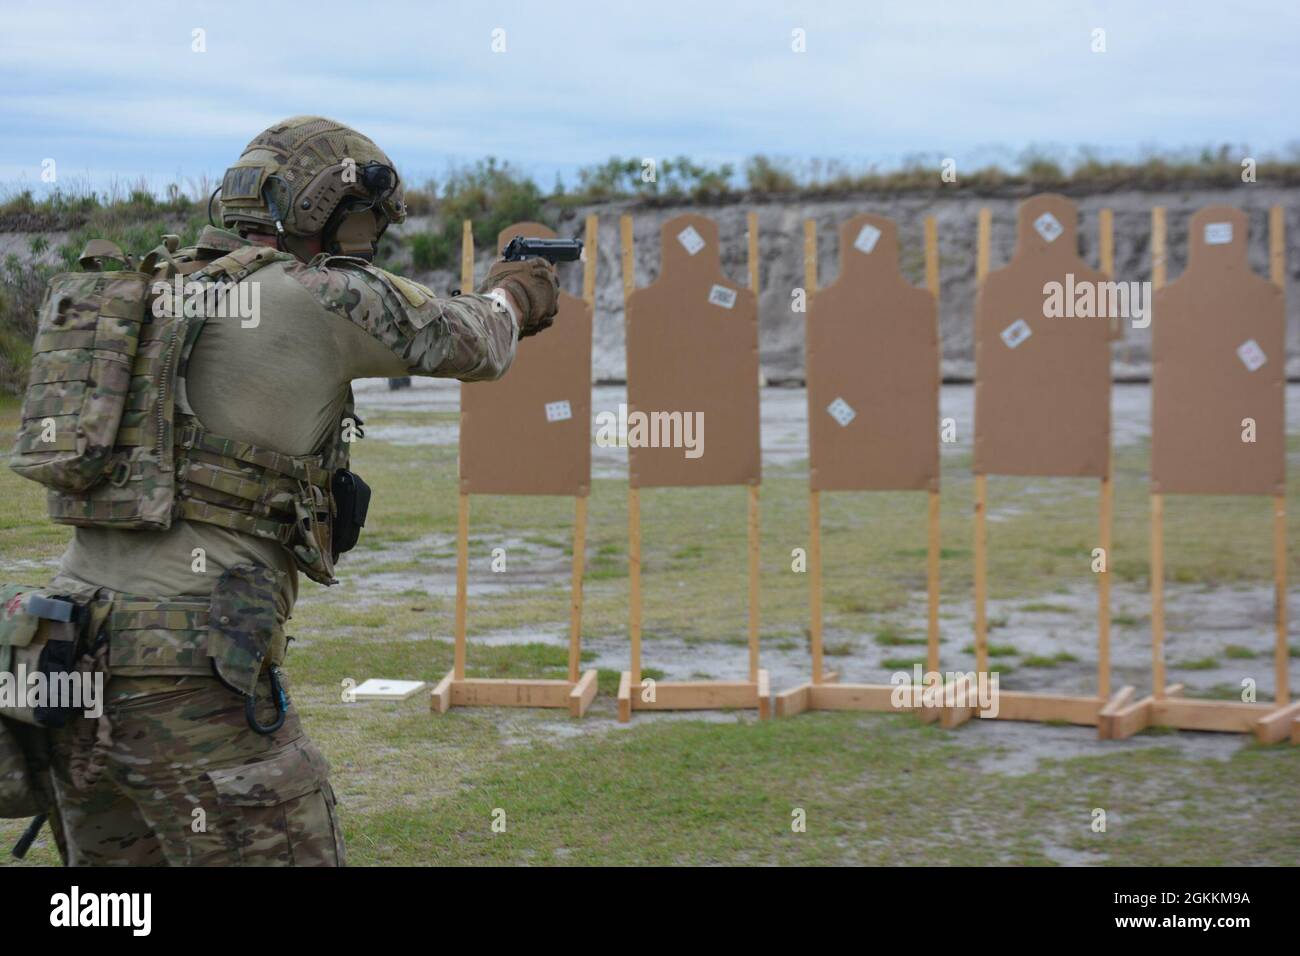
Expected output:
(460, 337)
(241, 625)
(185, 782)
(87, 333)
(18, 794)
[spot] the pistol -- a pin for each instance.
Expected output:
(552, 250)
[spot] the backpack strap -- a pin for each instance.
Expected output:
(97, 250)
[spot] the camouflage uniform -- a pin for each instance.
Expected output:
(173, 773)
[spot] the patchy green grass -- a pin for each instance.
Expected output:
(416, 789)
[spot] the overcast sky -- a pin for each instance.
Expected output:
(113, 90)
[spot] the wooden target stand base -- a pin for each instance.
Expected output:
(953, 707)
(824, 691)
(1270, 722)
(751, 694)
(578, 690)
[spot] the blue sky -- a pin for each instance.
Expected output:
(115, 91)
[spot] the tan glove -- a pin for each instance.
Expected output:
(532, 287)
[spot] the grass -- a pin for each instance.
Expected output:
(416, 789)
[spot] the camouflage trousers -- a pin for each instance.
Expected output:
(184, 781)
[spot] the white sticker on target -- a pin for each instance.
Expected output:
(841, 411)
(1251, 355)
(691, 240)
(1016, 332)
(1218, 233)
(868, 236)
(558, 411)
(1048, 226)
(721, 295)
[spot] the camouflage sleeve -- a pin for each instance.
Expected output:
(465, 337)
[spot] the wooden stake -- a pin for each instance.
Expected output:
(462, 582)
(1103, 589)
(1158, 595)
(815, 582)
(754, 567)
(981, 576)
(1281, 652)
(932, 585)
(633, 494)
(1158, 255)
(932, 526)
(590, 244)
(752, 221)
(575, 590)
(467, 256)
(982, 244)
(1282, 694)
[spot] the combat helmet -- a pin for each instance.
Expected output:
(307, 176)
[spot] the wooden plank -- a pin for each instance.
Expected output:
(699, 695)
(575, 587)
(982, 242)
(462, 582)
(1103, 589)
(1126, 721)
(1019, 705)
(1275, 726)
(932, 584)
(1158, 595)
(754, 572)
(590, 256)
(467, 256)
(440, 698)
(932, 257)
(869, 697)
(815, 582)
(1159, 258)
(497, 692)
(1105, 718)
(793, 701)
(1220, 715)
(634, 579)
(1277, 247)
(583, 693)
(1281, 651)
(764, 695)
(981, 576)
(625, 697)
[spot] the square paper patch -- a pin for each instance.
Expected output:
(558, 411)
(1016, 332)
(841, 411)
(1048, 226)
(1251, 355)
(868, 236)
(721, 295)
(1218, 233)
(691, 240)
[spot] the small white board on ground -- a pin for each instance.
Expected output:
(377, 688)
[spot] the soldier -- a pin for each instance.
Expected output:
(200, 758)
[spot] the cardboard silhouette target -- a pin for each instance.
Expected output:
(1042, 384)
(872, 356)
(529, 433)
(693, 420)
(872, 370)
(1042, 407)
(1218, 358)
(692, 347)
(1217, 427)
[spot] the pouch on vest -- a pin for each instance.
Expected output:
(351, 504)
(88, 331)
(242, 625)
(39, 631)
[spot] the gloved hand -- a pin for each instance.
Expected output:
(532, 287)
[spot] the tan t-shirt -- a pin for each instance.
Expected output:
(282, 384)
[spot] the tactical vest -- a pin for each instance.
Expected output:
(127, 451)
